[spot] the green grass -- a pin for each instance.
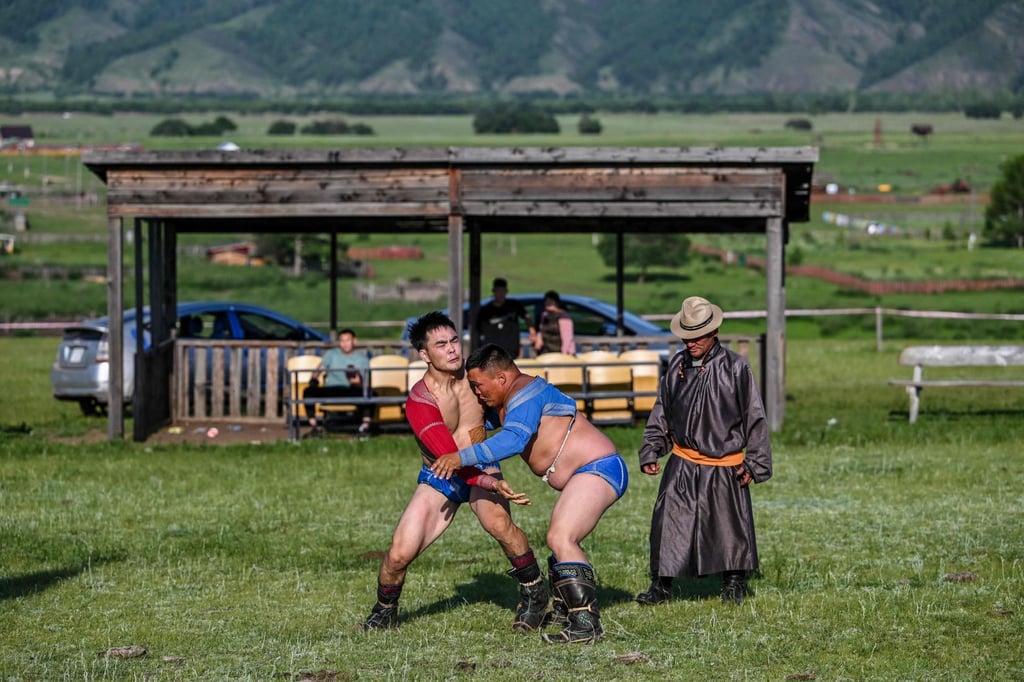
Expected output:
(255, 562)
(537, 264)
(960, 147)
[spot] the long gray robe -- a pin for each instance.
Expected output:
(703, 522)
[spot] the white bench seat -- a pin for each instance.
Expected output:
(920, 357)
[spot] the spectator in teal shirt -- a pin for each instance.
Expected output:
(343, 371)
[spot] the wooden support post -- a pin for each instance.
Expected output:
(115, 331)
(455, 258)
(775, 341)
(334, 285)
(620, 290)
(474, 288)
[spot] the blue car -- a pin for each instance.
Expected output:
(81, 371)
(590, 316)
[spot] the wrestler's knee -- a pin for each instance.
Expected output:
(498, 525)
(397, 560)
(560, 544)
(510, 536)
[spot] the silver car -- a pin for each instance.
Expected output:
(81, 371)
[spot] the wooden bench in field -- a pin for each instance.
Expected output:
(920, 357)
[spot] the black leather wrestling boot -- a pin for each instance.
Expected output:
(382, 617)
(533, 598)
(660, 592)
(558, 616)
(576, 587)
(384, 614)
(734, 586)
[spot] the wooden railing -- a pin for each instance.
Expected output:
(246, 381)
(215, 379)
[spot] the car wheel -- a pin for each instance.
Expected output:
(92, 408)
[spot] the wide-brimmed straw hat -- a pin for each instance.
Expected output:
(697, 317)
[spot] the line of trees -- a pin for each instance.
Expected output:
(812, 104)
(179, 127)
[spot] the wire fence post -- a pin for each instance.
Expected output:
(878, 328)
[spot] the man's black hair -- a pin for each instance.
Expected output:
(489, 357)
(425, 324)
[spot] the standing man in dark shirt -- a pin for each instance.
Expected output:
(498, 321)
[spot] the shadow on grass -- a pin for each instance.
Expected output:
(21, 429)
(503, 592)
(708, 587)
(952, 415)
(697, 589)
(33, 583)
(493, 588)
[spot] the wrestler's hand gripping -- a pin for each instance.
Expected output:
(446, 465)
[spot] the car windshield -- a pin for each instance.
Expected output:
(587, 322)
(205, 326)
(261, 327)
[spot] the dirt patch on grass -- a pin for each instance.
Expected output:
(208, 432)
(204, 432)
(91, 437)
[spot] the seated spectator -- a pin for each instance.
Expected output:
(343, 371)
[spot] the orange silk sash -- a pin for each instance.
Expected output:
(697, 458)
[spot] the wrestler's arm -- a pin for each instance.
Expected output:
(424, 417)
(521, 424)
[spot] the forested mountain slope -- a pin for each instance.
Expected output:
(283, 48)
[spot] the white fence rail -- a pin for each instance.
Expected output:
(878, 312)
(51, 327)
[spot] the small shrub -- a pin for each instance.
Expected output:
(335, 126)
(176, 127)
(282, 128)
(330, 127)
(795, 256)
(208, 129)
(224, 124)
(504, 120)
(171, 127)
(983, 110)
(588, 125)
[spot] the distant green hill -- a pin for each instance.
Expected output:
(331, 48)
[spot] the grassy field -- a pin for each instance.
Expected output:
(960, 147)
(889, 550)
(935, 244)
(536, 263)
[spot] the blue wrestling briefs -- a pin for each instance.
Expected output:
(454, 488)
(612, 469)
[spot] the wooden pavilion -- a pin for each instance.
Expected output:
(464, 192)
